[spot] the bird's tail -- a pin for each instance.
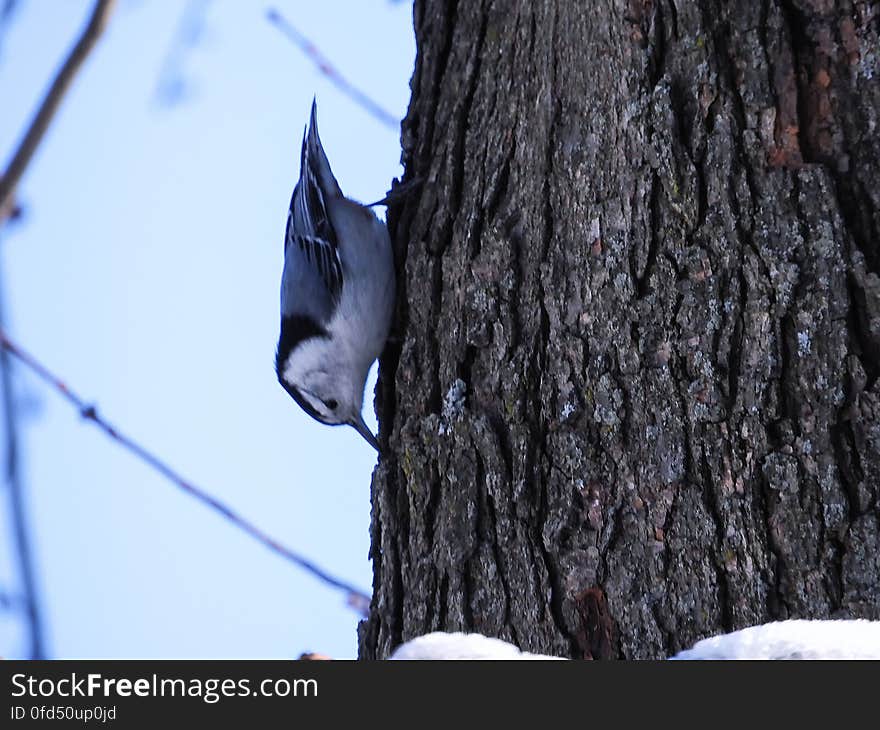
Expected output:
(315, 160)
(315, 187)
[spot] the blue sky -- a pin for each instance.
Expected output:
(146, 273)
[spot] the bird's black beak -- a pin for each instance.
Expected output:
(357, 423)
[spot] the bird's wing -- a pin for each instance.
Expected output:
(312, 280)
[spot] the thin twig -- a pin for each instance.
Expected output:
(51, 102)
(172, 85)
(329, 70)
(356, 598)
(7, 12)
(11, 601)
(20, 535)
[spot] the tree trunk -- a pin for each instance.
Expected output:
(633, 399)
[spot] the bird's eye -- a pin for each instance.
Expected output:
(331, 404)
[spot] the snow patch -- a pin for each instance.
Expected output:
(795, 639)
(440, 645)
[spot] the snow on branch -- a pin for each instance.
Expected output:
(329, 70)
(356, 599)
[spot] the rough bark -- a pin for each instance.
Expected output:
(634, 397)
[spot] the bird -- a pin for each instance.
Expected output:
(337, 294)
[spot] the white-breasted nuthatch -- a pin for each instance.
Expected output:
(337, 294)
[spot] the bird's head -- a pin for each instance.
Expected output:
(332, 398)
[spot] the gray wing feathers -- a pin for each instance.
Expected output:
(312, 279)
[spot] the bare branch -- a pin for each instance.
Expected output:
(356, 598)
(11, 601)
(51, 102)
(29, 603)
(172, 86)
(7, 11)
(329, 70)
